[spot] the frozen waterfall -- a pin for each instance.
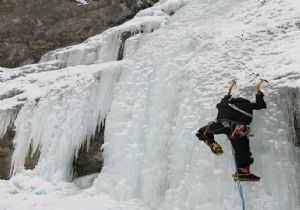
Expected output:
(176, 64)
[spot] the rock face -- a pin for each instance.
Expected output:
(88, 161)
(6, 150)
(30, 28)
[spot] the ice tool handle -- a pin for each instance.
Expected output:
(233, 84)
(258, 85)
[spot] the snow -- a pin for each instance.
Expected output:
(154, 100)
(82, 2)
(104, 47)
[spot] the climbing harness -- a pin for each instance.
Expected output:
(240, 130)
(238, 182)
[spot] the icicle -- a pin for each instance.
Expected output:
(22, 138)
(104, 47)
(61, 122)
(6, 119)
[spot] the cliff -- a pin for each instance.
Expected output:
(30, 28)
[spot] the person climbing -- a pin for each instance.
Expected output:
(234, 116)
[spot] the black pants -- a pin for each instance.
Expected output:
(240, 145)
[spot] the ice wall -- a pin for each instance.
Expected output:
(105, 47)
(58, 125)
(61, 106)
(169, 83)
(169, 87)
(290, 102)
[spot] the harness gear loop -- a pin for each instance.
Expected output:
(239, 130)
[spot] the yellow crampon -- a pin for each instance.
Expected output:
(216, 148)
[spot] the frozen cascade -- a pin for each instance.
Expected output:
(51, 90)
(170, 81)
(105, 47)
(58, 125)
(161, 102)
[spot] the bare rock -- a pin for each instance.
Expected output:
(89, 160)
(6, 151)
(30, 28)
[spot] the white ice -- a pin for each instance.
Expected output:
(65, 117)
(7, 117)
(170, 81)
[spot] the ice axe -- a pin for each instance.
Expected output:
(258, 85)
(233, 83)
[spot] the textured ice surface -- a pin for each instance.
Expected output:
(59, 123)
(170, 81)
(7, 117)
(192, 61)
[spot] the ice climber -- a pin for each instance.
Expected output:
(234, 116)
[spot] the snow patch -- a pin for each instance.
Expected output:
(82, 2)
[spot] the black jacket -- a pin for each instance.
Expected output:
(239, 109)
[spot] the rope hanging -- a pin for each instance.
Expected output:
(238, 182)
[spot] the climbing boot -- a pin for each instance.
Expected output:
(243, 174)
(214, 146)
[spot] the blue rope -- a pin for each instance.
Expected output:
(238, 182)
